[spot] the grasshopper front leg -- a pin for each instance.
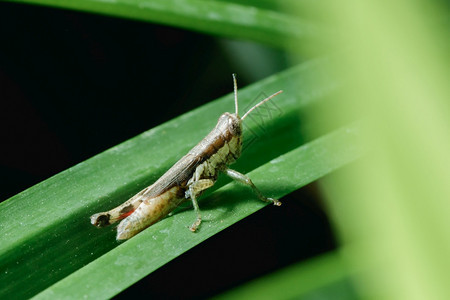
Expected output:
(248, 182)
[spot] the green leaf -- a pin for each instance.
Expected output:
(216, 18)
(46, 233)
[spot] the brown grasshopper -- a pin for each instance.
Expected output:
(187, 179)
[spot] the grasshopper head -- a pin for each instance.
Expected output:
(230, 123)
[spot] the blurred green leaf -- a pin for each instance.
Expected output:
(392, 208)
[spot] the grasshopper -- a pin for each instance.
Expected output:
(187, 179)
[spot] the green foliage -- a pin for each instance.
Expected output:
(47, 236)
(391, 210)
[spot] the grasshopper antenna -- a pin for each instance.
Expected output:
(235, 94)
(260, 103)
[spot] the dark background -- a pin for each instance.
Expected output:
(73, 85)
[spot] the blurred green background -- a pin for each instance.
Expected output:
(391, 208)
